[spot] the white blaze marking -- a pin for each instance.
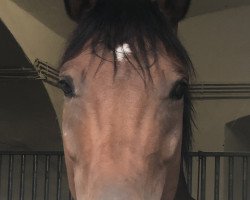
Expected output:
(122, 51)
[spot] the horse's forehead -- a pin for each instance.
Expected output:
(95, 75)
(96, 66)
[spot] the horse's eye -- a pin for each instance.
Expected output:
(67, 87)
(178, 90)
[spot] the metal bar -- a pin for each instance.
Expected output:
(244, 181)
(34, 177)
(221, 154)
(14, 67)
(22, 179)
(59, 177)
(203, 178)
(219, 97)
(229, 92)
(189, 174)
(70, 196)
(10, 178)
(217, 178)
(49, 76)
(18, 73)
(46, 70)
(230, 178)
(39, 63)
(193, 88)
(19, 78)
(219, 84)
(0, 172)
(42, 153)
(46, 185)
(198, 178)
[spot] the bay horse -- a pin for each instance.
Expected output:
(127, 117)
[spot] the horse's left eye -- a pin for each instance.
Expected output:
(67, 87)
(178, 90)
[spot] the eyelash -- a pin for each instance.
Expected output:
(66, 85)
(179, 90)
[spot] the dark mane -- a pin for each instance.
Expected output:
(140, 24)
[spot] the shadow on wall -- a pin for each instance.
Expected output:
(27, 117)
(237, 134)
(237, 139)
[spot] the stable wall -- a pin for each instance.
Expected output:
(219, 46)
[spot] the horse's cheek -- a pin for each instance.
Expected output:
(70, 174)
(69, 137)
(171, 145)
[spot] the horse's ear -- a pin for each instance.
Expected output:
(176, 10)
(75, 8)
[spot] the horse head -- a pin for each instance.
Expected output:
(127, 112)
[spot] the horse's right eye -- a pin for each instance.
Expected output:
(179, 90)
(67, 87)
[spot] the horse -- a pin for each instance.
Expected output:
(127, 115)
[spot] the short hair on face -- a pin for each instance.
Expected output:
(142, 26)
